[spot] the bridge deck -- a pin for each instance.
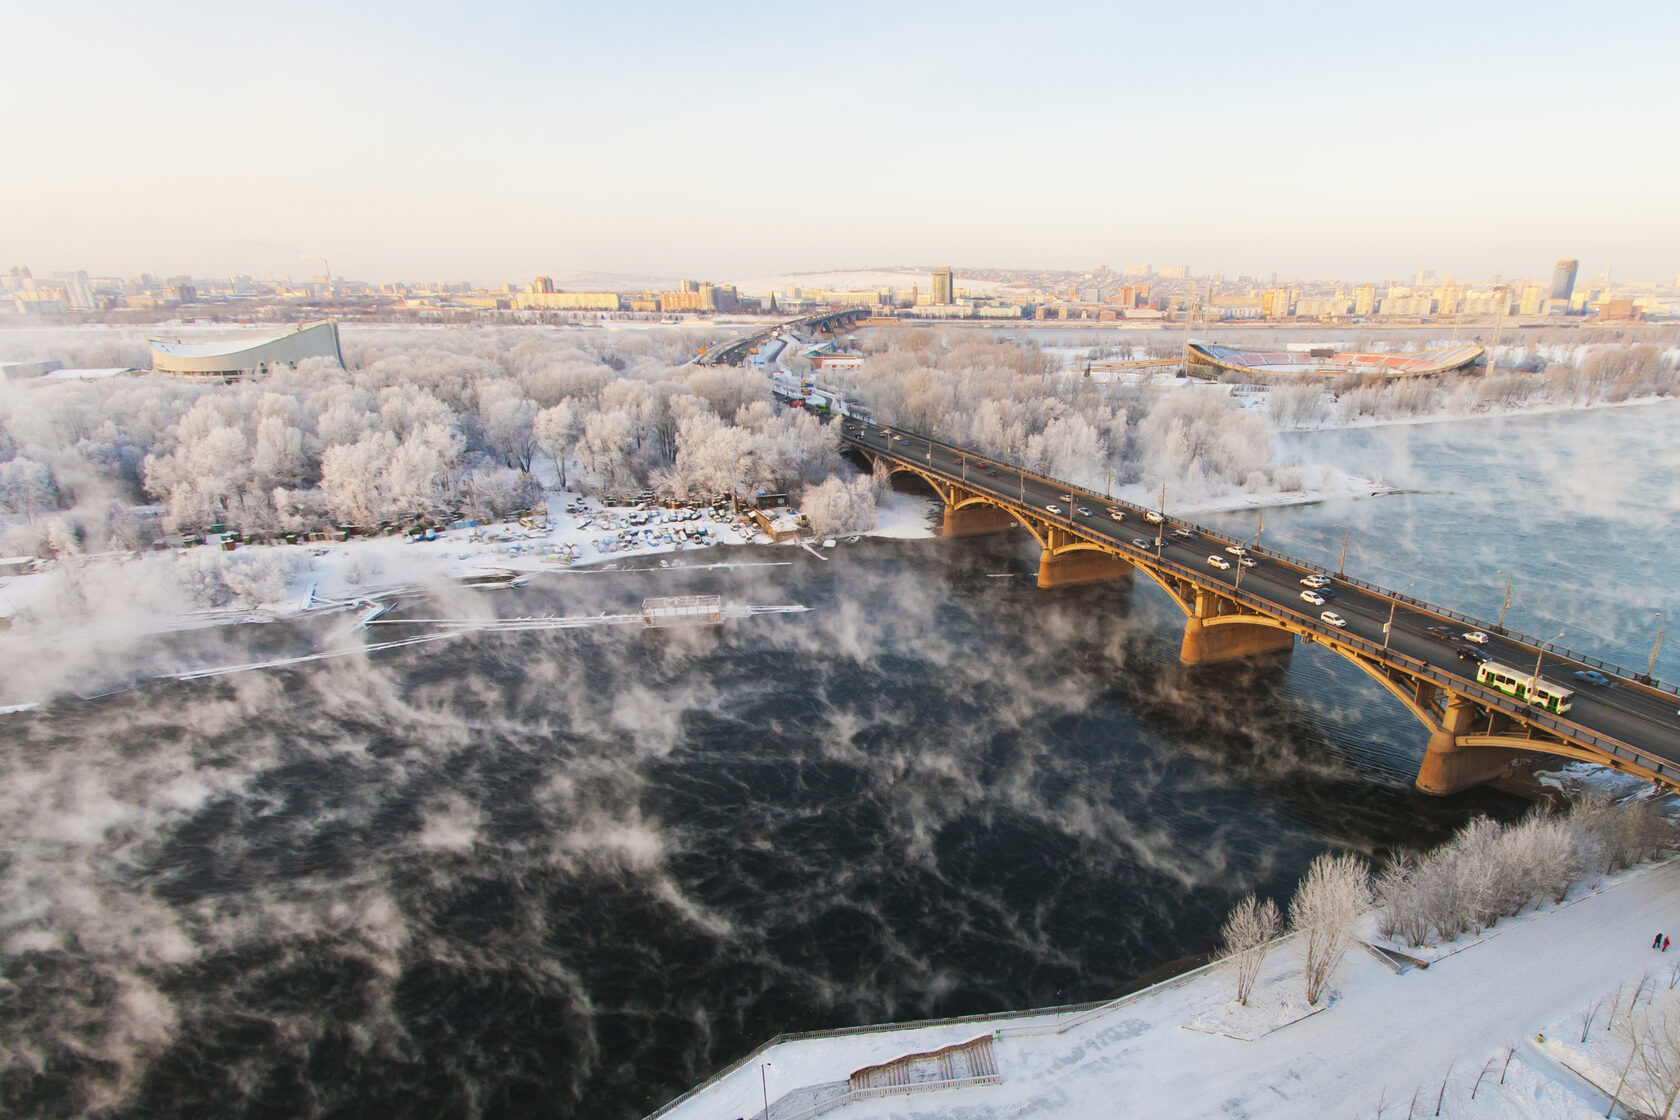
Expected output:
(1633, 722)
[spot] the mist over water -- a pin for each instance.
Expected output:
(574, 872)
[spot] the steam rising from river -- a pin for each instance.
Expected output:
(579, 869)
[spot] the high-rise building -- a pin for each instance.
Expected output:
(1532, 297)
(1175, 272)
(1563, 279)
(543, 285)
(1365, 299)
(943, 292)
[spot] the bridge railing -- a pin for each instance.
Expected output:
(1470, 621)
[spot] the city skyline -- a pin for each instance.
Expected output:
(764, 140)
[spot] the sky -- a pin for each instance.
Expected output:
(492, 143)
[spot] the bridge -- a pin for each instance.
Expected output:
(1413, 649)
(734, 353)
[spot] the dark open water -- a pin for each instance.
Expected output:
(572, 873)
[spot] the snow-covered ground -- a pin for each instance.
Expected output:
(1465, 1032)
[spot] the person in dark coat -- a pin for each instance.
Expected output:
(1665, 944)
(1657, 944)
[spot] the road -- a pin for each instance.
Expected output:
(1643, 718)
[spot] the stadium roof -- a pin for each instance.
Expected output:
(247, 353)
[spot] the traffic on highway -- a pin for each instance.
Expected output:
(1604, 704)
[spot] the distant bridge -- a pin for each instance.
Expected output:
(734, 353)
(1476, 733)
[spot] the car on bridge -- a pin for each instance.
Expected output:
(1219, 562)
(1332, 618)
(1476, 636)
(1445, 633)
(1139, 542)
(1083, 512)
(1313, 597)
(1116, 514)
(1236, 550)
(1592, 677)
(1316, 582)
(1184, 534)
(1471, 653)
(1153, 517)
(1248, 561)
(1053, 508)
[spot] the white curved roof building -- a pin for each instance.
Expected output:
(244, 353)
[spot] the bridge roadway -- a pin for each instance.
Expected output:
(1476, 733)
(734, 353)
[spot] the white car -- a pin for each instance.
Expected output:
(1316, 582)
(1332, 618)
(1054, 508)
(1476, 636)
(1219, 562)
(1153, 517)
(1313, 597)
(1236, 550)
(1117, 515)
(1248, 561)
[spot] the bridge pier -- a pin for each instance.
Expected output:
(1226, 641)
(1081, 566)
(1229, 641)
(975, 521)
(1448, 766)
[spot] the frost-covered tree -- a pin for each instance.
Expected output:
(27, 488)
(835, 506)
(1329, 900)
(1244, 939)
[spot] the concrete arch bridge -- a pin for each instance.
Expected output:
(1415, 650)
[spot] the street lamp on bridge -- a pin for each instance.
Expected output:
(1651, 666)
(1392, 604)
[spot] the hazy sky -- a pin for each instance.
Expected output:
(494, 142)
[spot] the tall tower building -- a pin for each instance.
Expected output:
(543, 285)
(1563, 279)
(943, 293)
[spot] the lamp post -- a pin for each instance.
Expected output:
(1537, 656)
(764, 1086)
(1500, 626)
(1651, 666)
(1341, 562)
(1392, 604)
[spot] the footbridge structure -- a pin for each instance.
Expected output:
(830, 322)
(1415, 650)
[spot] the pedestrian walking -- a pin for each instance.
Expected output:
(1665, 944)
(1657, 944)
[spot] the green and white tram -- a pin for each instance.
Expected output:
(1525, 686)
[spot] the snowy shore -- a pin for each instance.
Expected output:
(1488, 1031)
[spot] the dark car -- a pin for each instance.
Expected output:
(1440, 631)
(1470, 653)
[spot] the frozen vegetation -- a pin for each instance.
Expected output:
(437, 425)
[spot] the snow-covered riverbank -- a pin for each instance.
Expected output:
(1478, 1031)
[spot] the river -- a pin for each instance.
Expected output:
(574, 872)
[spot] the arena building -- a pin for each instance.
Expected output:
(1207, 360)
(243, 354)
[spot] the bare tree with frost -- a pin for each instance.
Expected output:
(1330, 898)
(1244, 939)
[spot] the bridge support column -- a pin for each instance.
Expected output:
(1226, 641)
(975, 521)
(1229, 641)
(1449, 767)
(1082, 566)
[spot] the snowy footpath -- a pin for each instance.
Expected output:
(1487, 1020)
